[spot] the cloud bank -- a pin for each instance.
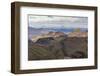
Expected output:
(39, 21)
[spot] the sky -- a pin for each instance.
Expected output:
(40, 21)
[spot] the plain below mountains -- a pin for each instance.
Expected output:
(58, 45)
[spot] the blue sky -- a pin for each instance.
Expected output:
(39, 21)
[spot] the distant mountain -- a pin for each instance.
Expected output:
(55, 34)
(33, 31)
(38, 31)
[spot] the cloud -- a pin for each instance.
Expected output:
(57, 22)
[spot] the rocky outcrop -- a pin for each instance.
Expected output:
(78, 34)
(50, 34)
(45, 41)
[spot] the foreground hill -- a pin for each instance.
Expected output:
(41, 52)
(57, 45)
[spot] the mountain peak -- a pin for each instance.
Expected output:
(56, 34)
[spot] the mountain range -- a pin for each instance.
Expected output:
(58, 45)
(38, 31)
